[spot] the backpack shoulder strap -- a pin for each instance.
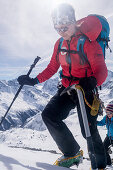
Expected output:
(80, 48)
(59, 47)
(81, 42)
(60, 43)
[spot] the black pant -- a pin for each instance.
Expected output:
(107, 143)
(57, 110)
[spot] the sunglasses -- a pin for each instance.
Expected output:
(109, 113)
(64, 29)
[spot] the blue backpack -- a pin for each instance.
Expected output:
(102, 39)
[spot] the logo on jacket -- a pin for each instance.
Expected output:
(64, 52)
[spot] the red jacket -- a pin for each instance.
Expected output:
(97, 67)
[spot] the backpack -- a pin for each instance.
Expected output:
(96, 28)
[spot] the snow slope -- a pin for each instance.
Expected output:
(21, 159)
(36, 150)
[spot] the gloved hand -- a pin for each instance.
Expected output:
(26, 80)
(88, 83)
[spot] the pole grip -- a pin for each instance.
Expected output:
(33, 65)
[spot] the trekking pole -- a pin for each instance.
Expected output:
(86, 126)
(21, 86)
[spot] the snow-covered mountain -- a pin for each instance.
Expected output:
(32, 147)
(26, 110)
(30, 102)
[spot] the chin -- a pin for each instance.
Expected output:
(66, 38)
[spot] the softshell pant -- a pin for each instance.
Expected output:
(107, 143)
(57, 110)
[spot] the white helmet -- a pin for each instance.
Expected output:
(63, 14)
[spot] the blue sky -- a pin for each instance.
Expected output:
(26, 30)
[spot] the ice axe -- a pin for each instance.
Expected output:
(85, 122)
(21, 86)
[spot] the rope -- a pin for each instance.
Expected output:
(80, 88)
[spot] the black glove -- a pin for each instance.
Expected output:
(88, 83)
(26, 80)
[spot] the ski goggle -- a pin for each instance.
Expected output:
(63, 29)
(109, 113)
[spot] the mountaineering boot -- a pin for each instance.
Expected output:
(70, 161)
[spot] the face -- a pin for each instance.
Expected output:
(65, 31)
(109, 114)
